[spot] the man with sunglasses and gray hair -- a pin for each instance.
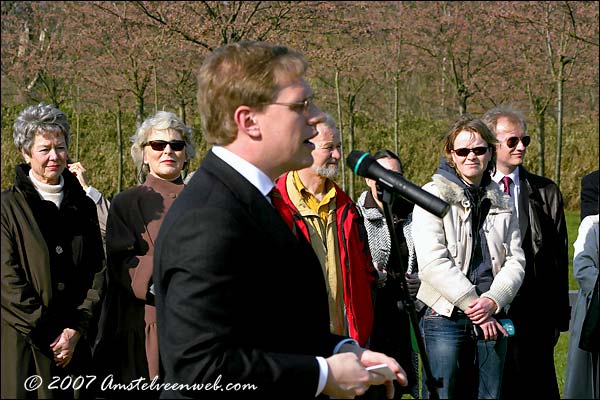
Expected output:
(540, 311)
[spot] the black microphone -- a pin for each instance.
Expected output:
(365, 165)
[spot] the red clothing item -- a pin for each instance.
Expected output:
(358, 273)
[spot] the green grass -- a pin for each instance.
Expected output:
(562, 347)
(573, 220)
(560, 359)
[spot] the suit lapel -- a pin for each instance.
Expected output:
(261, 211)
(523, 200)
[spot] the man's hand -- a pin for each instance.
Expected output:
(414, 283)
(348, 376)
(382, 273)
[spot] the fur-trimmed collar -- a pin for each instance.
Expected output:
(453, 193)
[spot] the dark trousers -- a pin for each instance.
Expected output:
(391, 335)
(529, 368)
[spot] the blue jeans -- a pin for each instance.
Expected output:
(469, 368)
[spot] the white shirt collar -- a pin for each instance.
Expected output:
(249, 171)
(513, 175)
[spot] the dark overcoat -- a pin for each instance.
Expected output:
(541, 307)
(52, 279)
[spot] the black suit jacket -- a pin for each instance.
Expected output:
(589, 194)
(239, 298)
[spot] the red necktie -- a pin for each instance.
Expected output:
(284, 210)
(274, 193)
(507, 181)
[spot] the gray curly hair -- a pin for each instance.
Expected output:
(34, 120)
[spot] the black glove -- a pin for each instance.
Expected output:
(413, 282)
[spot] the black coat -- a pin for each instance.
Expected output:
(589, 194)
(541, 307)
(52, 279)
(238, 296)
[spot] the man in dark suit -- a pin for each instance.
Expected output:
(540, 311)
(589, 194)
(241, 301)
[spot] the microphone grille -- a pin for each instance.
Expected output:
(355, 159)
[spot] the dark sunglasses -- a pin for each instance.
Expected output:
(478, 151)
(514, 141)
(159, 145)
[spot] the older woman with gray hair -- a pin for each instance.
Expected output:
(52, 263)
(162, 147)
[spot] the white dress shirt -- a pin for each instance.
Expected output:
(515, 188)
(255, 176)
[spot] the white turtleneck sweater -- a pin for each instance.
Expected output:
(53, 193)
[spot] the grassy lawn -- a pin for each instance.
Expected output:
(572, 228)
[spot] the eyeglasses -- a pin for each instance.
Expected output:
(298, 106)
(478, 151)
(331, 147)
(159, 145)
(514, 141)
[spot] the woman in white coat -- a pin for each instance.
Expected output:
(580, 382)
(471, 266)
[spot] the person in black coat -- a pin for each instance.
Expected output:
(589, 194)
(52, 265)
(541, 310)
(241, 301)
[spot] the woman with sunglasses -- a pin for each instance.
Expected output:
(470, 264)
(162, 147)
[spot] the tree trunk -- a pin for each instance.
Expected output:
(539, 106)
(77, 136)
(559, 122)
(462, 104)
(396, 113)
(397, 100)
(351, 103)
(120, 147)
(140, 111)
(540, 118)
(340, 126)
(77, 126)
(155, 90)
(443, 83)
(182, 113)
